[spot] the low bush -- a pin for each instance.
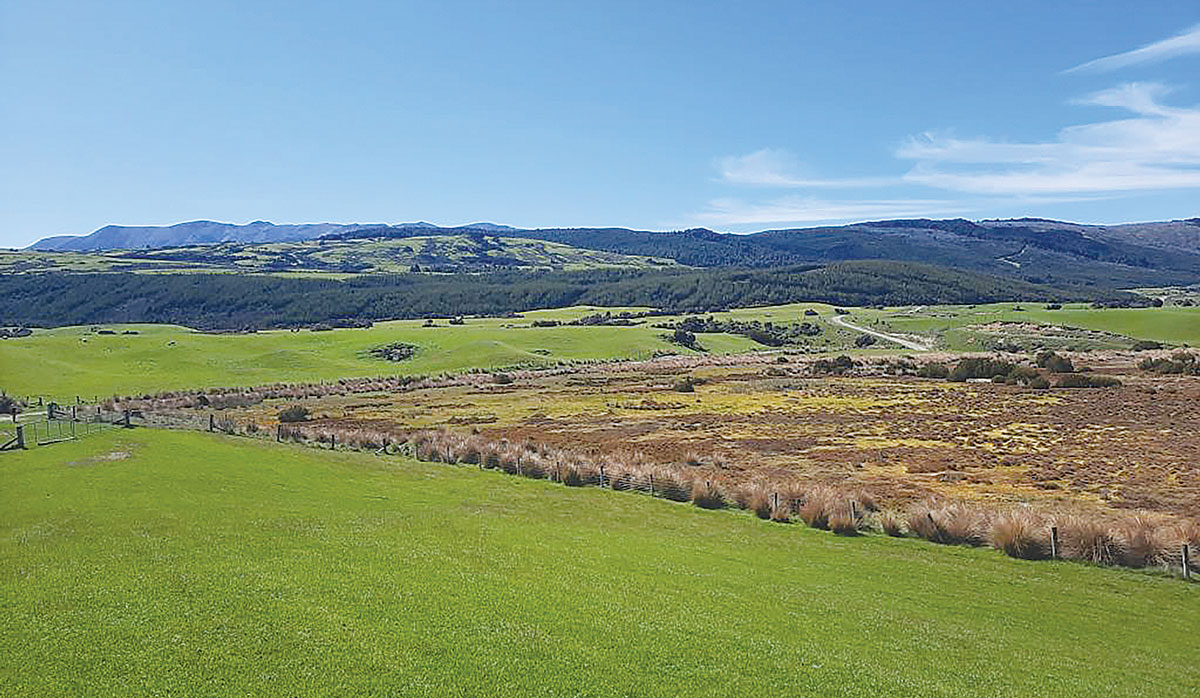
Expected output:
(1055, 363)
(295, 413)
(1082, 380)
(976, 367)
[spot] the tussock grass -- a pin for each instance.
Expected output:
(1089, 540)
(707, 494)
(1020, 534)
(892, 523)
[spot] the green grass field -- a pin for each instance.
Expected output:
(169, 563)
(72, 361)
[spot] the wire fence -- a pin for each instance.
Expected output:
(50, 431)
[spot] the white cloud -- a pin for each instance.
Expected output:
(807, 210)
(1158, 148)
(769, 167)
(1179, 45)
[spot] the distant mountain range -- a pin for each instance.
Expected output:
(134, 237)
(1031, 249)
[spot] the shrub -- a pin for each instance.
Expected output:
(1039, 383)
(295, 413)
(836, 366)
(1020, 534)
(707, 495)
(1146, 345)
(1080, 380)
(1054, 363)
(686, 385)
(975, 367)
(501, 378)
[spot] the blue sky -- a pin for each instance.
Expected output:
(734, 116)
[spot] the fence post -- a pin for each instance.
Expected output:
(332, 441)
(651, 484)
(853, 511)
(127, 424)
(1054, 542)
(72, 429)
(212, 423)
(602, 475)
(1187, 573)
(74, 412)
(279, 432)
(21, 436)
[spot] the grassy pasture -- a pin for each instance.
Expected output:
(61, 363)
(75, 361)
(173, 563)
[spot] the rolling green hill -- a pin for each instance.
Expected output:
(169, 563)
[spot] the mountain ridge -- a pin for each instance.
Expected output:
(1031, 249)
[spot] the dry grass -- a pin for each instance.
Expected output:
(1089, 540)
(1020, 534)
(814, 510)
(844, 519)
(949, 524)
(708, 495)
(892, 523)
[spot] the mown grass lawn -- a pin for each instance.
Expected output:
(166, 563)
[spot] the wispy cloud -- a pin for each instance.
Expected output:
(1179, 45)
(1157, 148)
(773, 168)
(808, 210)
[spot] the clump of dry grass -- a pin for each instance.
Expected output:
(949, 524)
(706, 494)
(815, 508)
(844, 518)
(892, 523)
(1089, 539)
(667, 483)
(1020, 534)
(1145, 542)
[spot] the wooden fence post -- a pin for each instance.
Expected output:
(1054, 542)
(651, 484)
(279, 432)
(21, 436)
(602, 475)
(212, 423)
(1187, 573)
(127, 424)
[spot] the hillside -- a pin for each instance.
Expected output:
(1037, 251)
(1034, 250)
(216, 301)
(474, 252)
